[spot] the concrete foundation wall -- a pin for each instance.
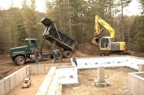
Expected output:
(117, 61)
(50, 84)
(140, 74)
(65, 75)
(2, 87)
(10, 82)
(136, 83)
(40, 68)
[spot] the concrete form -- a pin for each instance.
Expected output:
(141, 67)
(136, 83)
(10, 82)
(43, 90)
(116, 61)
(2, 87)
(52, 85)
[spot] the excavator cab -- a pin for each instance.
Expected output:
(108, 45)
(105, 43)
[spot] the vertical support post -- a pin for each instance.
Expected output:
(101, 74)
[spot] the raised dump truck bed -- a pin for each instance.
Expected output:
(52, 34)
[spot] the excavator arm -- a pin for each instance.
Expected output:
(99, 21)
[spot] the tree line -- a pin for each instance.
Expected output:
(73, 17)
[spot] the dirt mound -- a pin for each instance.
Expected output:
(79, 54)
(89, 49)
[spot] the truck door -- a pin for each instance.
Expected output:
(31, 45)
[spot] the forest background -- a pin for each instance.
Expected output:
(74, 18)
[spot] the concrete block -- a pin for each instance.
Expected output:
(20, 73)
(13, 80)
(2, 90)
(28, 70)
(141, 74)
(46, 83)
(7, 85)
(47, 68)
(67, 75)
(34, 69)
(141, 87)
(41, 69)
(141, 67)
(23, 72)
(101, 74)
(59, 90)
(129, 82)
(52, 86)
(134, 85)
(17, 77)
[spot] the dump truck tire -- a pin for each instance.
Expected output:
(20, 60)
(67, 54)
(60, 55)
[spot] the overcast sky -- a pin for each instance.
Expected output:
(133, 8)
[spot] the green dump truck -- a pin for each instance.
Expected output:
(20, 54)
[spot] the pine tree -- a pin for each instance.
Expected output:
(30, 18)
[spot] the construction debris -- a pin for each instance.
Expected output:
(27, 82)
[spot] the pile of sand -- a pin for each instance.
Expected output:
(89, 49)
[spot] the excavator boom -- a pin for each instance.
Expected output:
(99, 21)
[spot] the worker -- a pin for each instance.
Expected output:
(56, 55)
(36, 55)
(74, 60)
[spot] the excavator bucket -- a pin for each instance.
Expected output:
(96, 40)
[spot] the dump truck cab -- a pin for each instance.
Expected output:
(20, 54)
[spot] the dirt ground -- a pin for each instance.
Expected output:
(89, 49)
(36, 81)
(117, 77)
(7, 66)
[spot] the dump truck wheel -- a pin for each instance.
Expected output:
(20, 60)
(67, 54)
(60, 55)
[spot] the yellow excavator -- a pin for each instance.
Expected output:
(107, 44)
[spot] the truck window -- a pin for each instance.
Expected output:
(33, 42)
(30, 42)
